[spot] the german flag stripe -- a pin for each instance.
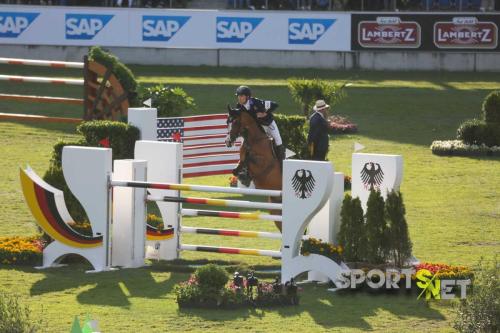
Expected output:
(48, 207)
(153, 233)
(44, 215)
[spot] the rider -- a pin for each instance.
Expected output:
(263, 112)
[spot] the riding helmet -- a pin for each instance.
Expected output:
(243, 90)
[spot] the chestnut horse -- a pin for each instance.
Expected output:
(256, 153)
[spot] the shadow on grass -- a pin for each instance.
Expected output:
(111, 288)
(331, 310)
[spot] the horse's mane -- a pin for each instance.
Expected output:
(254, 117)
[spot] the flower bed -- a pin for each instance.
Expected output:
(21, 250)
(444, 271)
(313, 245)
(458, 148)
(341, 125)
(208, 288)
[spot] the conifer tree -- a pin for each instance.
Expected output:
(377, 244)
(399, 238)
(352, 230)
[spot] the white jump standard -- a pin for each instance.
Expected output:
(300, 202)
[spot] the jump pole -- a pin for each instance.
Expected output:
(231, 215)
(196, 188)
(227, 232)
(42, 63)
(218, 202)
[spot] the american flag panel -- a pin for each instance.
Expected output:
(205, 152)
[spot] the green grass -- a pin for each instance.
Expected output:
(452, 203)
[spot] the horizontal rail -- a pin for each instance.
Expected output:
(196, 188)
(42, 99)
(231, 215)
(218, 202)
(227, 232)
(43, 63)
(29, 117)
(37, 79)
(230, 250)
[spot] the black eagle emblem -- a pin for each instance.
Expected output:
(372, 176)
(303, 183)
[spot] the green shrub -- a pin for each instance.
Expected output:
(352, 235)
(376, 229)
(122, 72)
(293, 131)
(170, 102)
(212, 277)
(480, 311)
(14, 317)
(477, 132)
(306, 92)
(121, 136)
(56, 158)
(122, 139)
(399, 239)
(469, 131)
(491, 108)
(54, 176)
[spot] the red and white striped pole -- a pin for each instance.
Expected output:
(36, 79)
(42, 63)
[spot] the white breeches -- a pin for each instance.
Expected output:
(273, 131)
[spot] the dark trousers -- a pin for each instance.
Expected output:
(319, 154)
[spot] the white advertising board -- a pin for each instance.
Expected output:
(165, 28)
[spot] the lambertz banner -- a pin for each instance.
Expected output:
(428, 32)
(165, 28)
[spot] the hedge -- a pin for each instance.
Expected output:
(293, 130)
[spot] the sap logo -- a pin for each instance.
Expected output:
(307, 31)
(85, 26)
(161, 28)
(14, 24)
(235, 29)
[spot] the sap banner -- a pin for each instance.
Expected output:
(164, 28)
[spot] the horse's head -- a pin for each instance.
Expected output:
(233, 125)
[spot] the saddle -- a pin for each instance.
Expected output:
(242, 172)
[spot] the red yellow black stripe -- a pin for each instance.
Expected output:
(153, 233)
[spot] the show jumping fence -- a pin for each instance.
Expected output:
(89, 175)
(103, 95)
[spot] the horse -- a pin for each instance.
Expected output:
(256, 153)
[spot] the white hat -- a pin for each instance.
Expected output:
(320, 105)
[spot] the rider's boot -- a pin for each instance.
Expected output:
(238, 169)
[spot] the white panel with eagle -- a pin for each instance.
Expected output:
(375, 172)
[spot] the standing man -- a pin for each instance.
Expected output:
(317, 139)
(264, 113)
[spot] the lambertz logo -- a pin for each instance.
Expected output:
(372, 176)
(303, 183)
(236, 29)
(85, 26)
(161, 28)
(13, 24)
(389, 32)
(465, 32)
(307, 31)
